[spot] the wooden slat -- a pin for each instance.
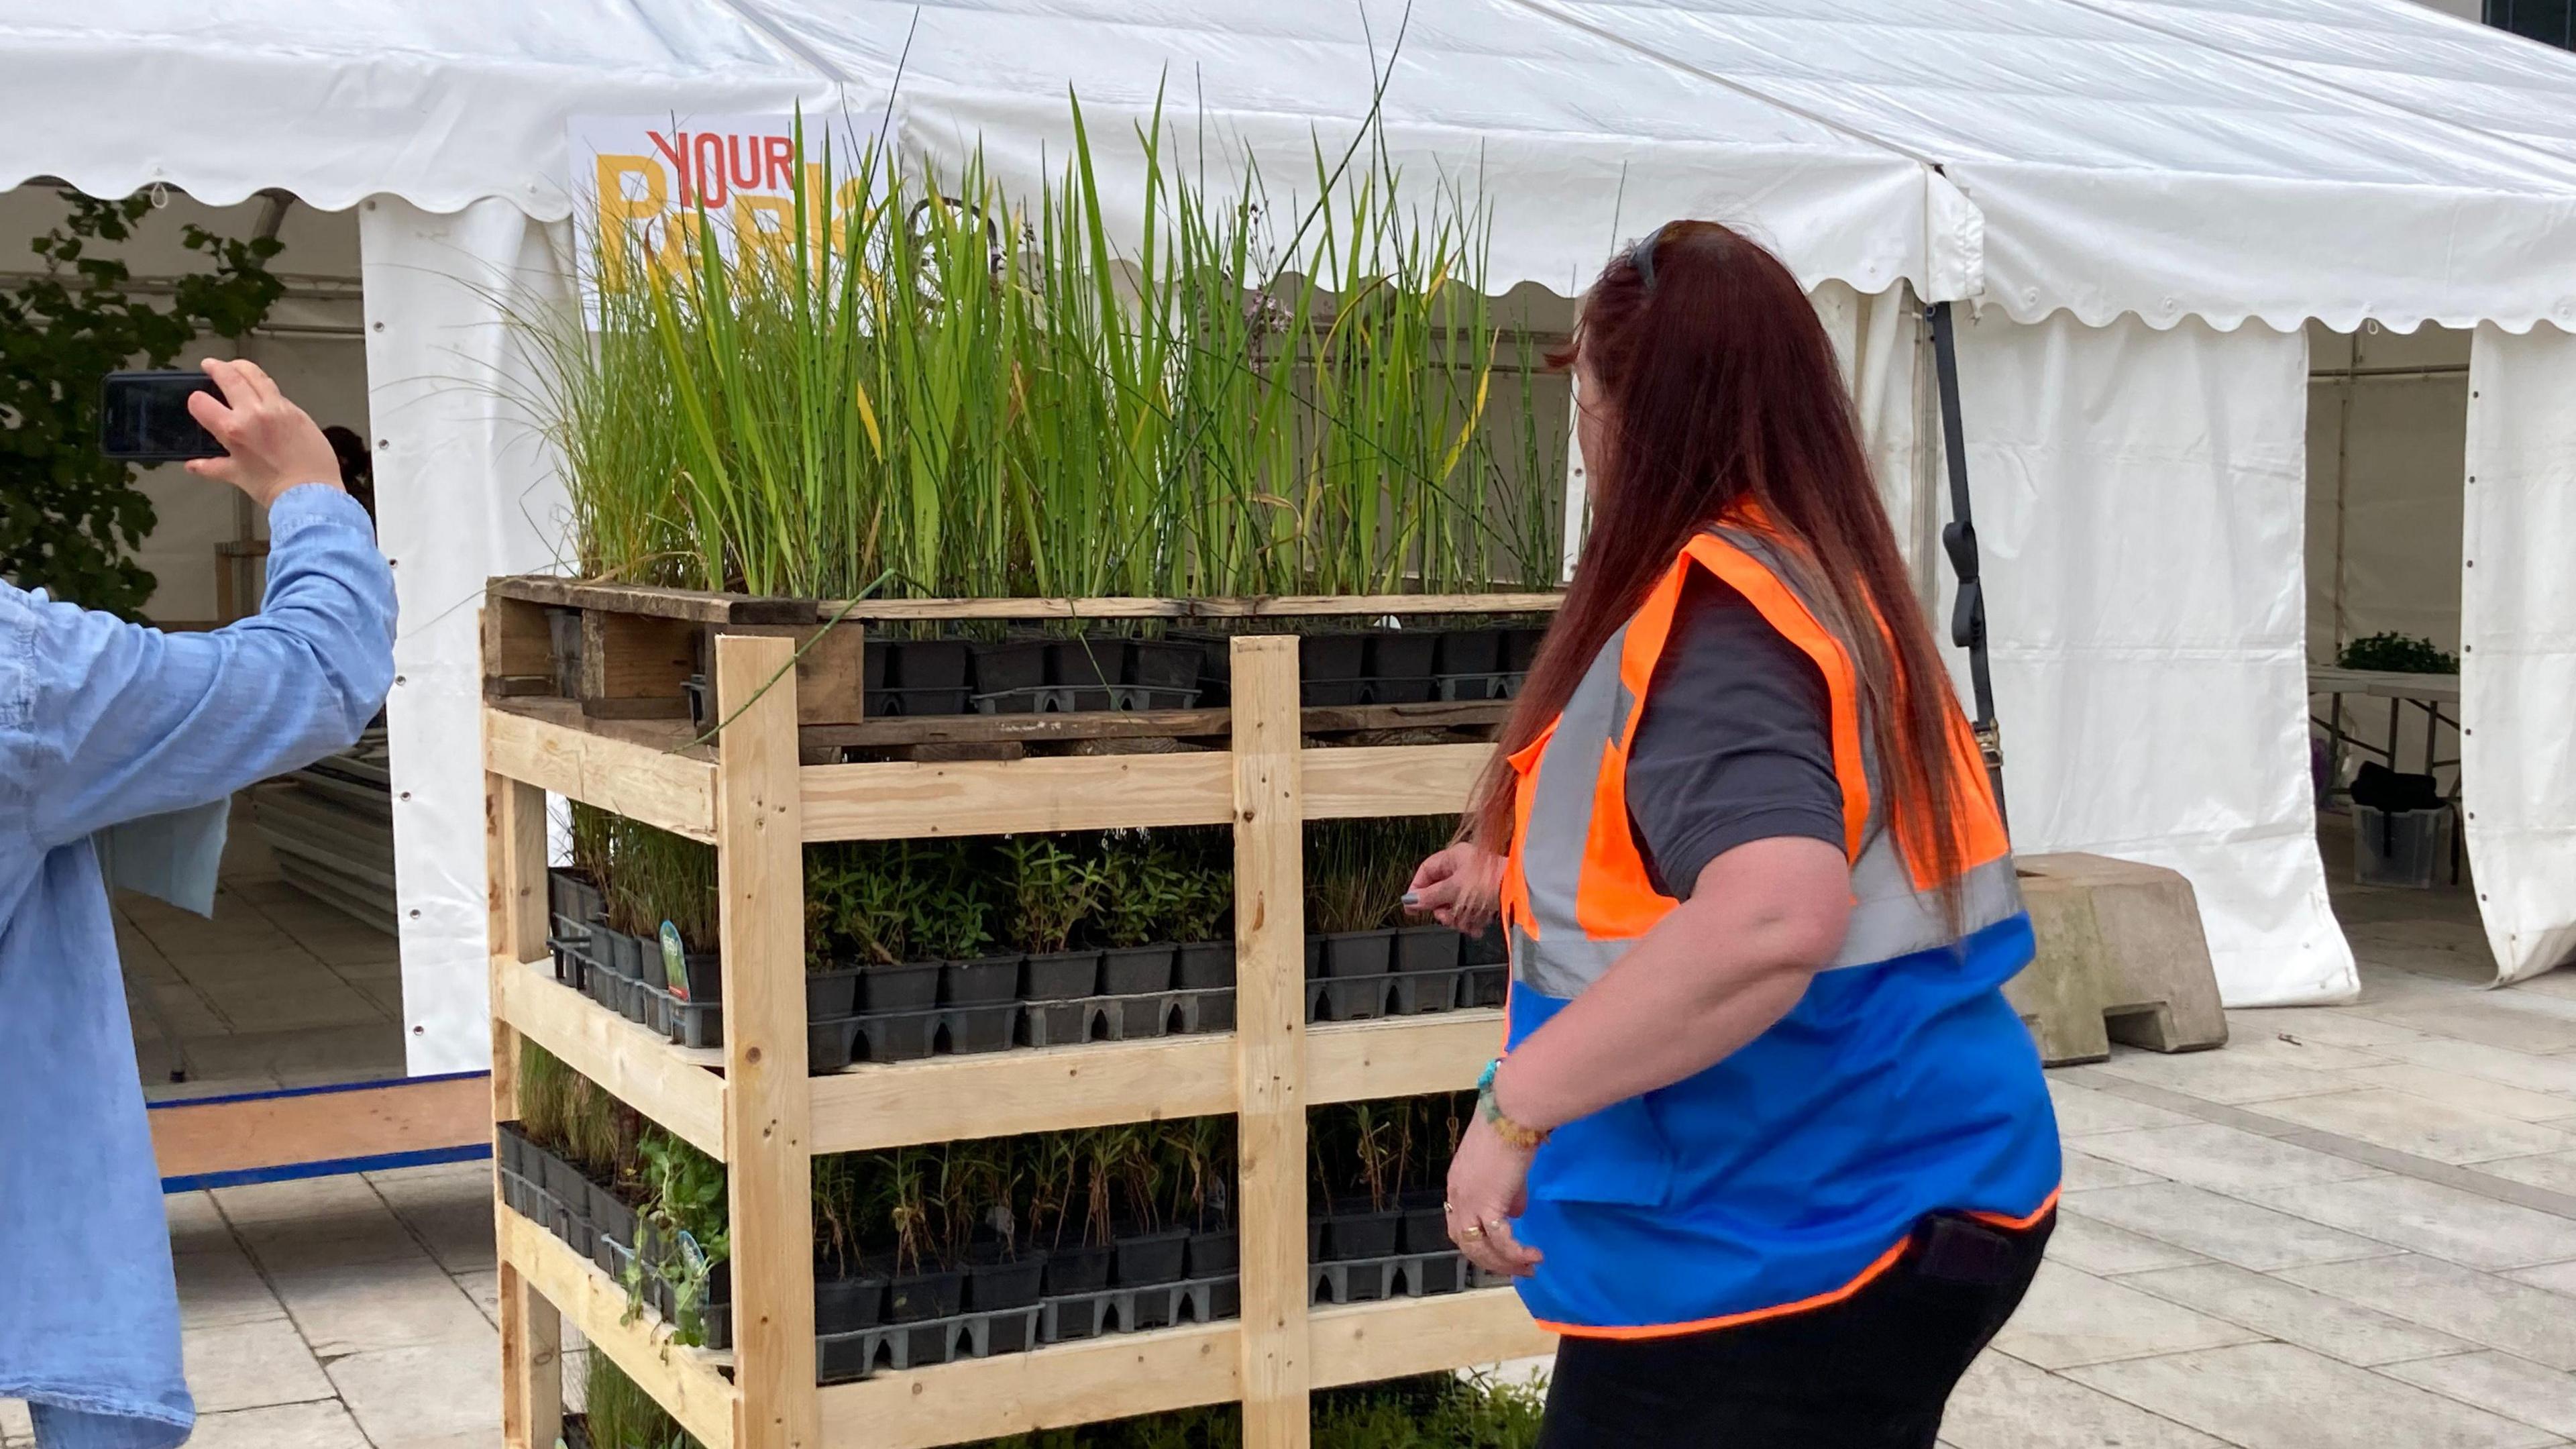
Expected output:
(638, 1067)
(1016, 1393)
(1360, 1061)
(1003, 797)
(760, 884)
(1273, 606)
(653, 602)
(831, 674)
(684, 1381)
(1369, 781)
(1051, 1089)
(1269, 1042)
(673, 791)
(531, 1330)
(1405, 1336)
(197, 1139)
(517, 646)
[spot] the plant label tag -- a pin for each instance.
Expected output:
(692, 1257)
(675, 971)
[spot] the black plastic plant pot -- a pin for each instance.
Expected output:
(612, 1214)
(701, 977)
(1471, 651)
(1212, 1253)
(1164, 663)
(1314, 958)
(1013, 664)
(510, 1148)
(995, 1282)
(1399, 668)
(624, 955)
(1488, 985)
(920, 664)
(1520, 649)
(1358, 953)
(831, 994)
(572, 894)
(986, 982)
(1205, 966)
(920, 703)
(873, 654)
(1487, 949)
(565, 1184)
(1425, 1225)
(1332, 668)
(919, 1297)
(1426, 948)
(827, 1046)
(913, 986)
(1135, 970)
(1353, 1235)
(1088, 664)
(1071, 1272)
(1061, 976)
(846, 1305)
(1145, 1259)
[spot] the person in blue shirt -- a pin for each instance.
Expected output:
(102, 722)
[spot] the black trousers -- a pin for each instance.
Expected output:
(1871, 1372)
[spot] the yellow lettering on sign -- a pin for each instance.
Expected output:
(617, 210)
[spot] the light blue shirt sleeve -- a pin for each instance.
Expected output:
(111, 721)
(102, 722)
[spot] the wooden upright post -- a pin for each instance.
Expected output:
(760, 879)
(514, 856)
(1270, 1042)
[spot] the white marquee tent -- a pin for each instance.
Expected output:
(2145, 203)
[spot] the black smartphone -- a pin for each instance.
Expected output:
(143, 417)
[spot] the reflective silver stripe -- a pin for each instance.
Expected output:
(1569, 770)
(1890, 917)
(1891, 924)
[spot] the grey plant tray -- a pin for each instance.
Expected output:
(1406, 1275)
(1403, 993)
(1072, 1317)
(841, 1358)
(1127, 1018)
(1089, 699)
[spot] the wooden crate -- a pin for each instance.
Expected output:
(752, 1105)
(641, 644)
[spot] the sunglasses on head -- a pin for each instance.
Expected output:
(1641, 255)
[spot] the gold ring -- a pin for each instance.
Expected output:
(1472, 1230)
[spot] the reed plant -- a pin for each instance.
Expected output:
(963, 392)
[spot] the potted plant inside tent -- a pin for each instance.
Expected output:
(1052, 891)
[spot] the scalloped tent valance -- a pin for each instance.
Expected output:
(2280, 160)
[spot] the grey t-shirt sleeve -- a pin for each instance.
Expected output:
(1736, 743)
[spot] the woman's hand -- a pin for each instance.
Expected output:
(272, 445)
(1488, 1187)
(1459, 888)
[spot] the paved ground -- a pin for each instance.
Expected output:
(2354, 1226)
(277, 990)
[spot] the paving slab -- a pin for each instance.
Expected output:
(425, 1397)
(2084, 1112)
(250, 1365)
(2405, 1122)
(2553, 1170)
(2431, 1217)
(2224, 1075)
(2107, 1251)
(2553, 1074)
(2516, 1388)
(2476, 1093)
(2229, 1229)
(323, 1424)
(2343, 1331)
(2281, 1396)
(2072, 1317)
(2082, 1171)
(2223, 1159)
(378, 1306)
(2003, 1403)
(2498, 1312)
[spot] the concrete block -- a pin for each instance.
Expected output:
(2121, 958)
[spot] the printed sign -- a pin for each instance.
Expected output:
(640, 186)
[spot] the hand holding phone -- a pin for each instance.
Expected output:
(270, 445)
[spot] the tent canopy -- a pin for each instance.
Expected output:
(2334, 159)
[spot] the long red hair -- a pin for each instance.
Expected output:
(1724, 400)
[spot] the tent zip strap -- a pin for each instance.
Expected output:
(1959, 541)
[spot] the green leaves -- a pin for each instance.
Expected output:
(69, 518)
(993, 395)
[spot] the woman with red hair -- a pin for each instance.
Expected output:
(1768, 1148)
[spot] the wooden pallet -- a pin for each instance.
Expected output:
(641, 644)
(762, 1115)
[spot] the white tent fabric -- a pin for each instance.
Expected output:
(464, 490)
(2170, 162)
(2140, 496)
(2127, 168)
(2518, 636)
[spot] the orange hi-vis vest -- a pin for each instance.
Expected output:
(1902, 1084)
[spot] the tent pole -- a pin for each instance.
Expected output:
(1959, 540)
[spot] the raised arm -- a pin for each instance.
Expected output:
(103, 721)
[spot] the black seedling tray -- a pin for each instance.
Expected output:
(1405, 1275)
(1127, 1018)
(1076, 1316)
